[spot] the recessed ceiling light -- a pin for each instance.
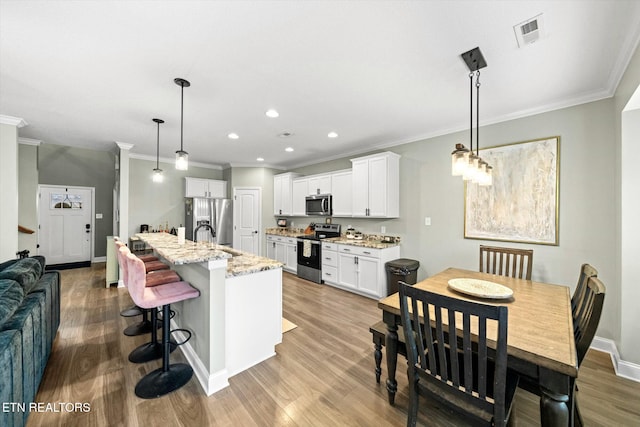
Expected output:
(272, 113)
(260, 159)
(233, 135)
(288, 149)
(332, 135)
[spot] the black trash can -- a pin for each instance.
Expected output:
(401, 270)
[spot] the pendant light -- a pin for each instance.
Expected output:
(182, 157)
(157, 172)
(464, 162)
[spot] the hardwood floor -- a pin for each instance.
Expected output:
(322, 375)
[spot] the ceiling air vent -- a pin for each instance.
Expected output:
(529, 31)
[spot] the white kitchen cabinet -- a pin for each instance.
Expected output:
(283, 249)
(299, 190)
(362, 270)
(329, 263)
(282, 193)
(376, 186)
(201, 187)
(319, 184)
(341, 185)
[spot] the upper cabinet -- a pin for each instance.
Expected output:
(341, 191)
(319, 184)
(282, 193)
(376, 186)
(299, 190)
(209, 188)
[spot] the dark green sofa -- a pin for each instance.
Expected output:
(29, 320)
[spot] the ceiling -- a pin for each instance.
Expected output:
(378, 73)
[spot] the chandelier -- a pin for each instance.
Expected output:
(464, 162)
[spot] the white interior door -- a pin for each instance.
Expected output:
(246, 219)
(65, 229)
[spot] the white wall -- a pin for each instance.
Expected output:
(8, 191)
(28, 196)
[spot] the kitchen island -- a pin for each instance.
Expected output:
(237, 320)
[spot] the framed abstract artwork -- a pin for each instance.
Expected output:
(522, 204)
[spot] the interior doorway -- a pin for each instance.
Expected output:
(65, 225)
(247, 219)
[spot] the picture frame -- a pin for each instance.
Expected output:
(522, 204)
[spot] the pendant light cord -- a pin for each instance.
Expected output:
(471, 112)
(478, 113)
(181, 114)
(158, 148)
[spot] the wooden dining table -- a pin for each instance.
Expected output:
(540, 341)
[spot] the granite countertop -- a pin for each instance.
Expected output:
(238, 263)
(372, 241)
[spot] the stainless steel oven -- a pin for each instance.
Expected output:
(310, 251)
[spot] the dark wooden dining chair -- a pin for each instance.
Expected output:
(577, 300)
(506, 261)
(585, 326)
(449, 359)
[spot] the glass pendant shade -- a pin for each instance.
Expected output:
(158, 176)
(488, 177)
(459, 160)
(472, 169)
(182, 160)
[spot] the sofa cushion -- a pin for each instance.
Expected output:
(25, 271)
(11, 376)
(11, 296)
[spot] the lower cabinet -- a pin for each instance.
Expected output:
(361, 270)
(284, 250)
(330, 263)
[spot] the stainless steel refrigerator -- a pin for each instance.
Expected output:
(213, 219)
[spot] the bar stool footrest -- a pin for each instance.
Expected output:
(183, 331)
(140, 328)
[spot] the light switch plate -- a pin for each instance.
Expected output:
(98, 216)
(427, 220)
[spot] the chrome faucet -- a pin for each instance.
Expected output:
(205, 225)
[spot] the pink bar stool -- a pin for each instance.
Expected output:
(155, 278)
(168, 378)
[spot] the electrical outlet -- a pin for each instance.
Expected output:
(98, 216)
(383, 229)
(427, 220)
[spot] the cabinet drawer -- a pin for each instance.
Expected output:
(359, 251)
(329, 258)
(329, 247)
(271, 238)
(290, 240)
(330, 274)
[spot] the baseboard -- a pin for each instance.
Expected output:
(210, 383)
(623, 368)
(99, 259)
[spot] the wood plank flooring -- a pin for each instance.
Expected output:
(322, 375)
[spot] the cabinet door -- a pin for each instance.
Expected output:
(292, 257)
(299, 190)
(378, 187)
(286, 195)
(360, 188)
(217, 189)
(196, 187)
(368, 276)
(281, 252)
(277, 195)
(320, 184)
(341, 191)
(347, 273)
(271, 249)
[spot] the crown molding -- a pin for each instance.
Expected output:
(254, 165)
(29, 141)
(172, 161)
(13, 121)
(124, 145)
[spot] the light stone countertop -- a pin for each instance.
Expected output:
(238, 263)
(369, 241)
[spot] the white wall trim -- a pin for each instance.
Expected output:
(124, 145)
(29, 141)
(13, 121)
(623, 368)
(99, 259)
(210, 382)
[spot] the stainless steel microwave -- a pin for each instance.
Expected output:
(319, 205)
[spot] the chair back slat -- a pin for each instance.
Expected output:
(588, 321)
(578, 298)
(460, 343)
(506, 261)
